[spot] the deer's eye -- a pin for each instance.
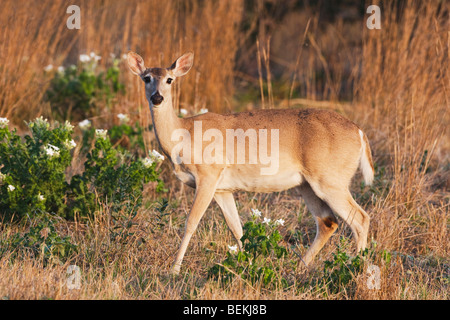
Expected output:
(147, 79)
(169, 80)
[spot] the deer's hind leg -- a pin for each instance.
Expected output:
(326, 223)
(340, 200)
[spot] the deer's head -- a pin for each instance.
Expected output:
(158, 81)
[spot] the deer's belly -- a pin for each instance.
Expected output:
(233, 181)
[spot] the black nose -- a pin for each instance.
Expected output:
(156, 98)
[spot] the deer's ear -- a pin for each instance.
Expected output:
(182, 65)
(136, 63)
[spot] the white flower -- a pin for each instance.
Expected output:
(48, 68)
(233, 248)
(123, 118)
(256, 213)
(41, 122)
(101, 133)
(203, 110)
(266, 220)
(51, 151)
(2, 176)
(41, 197)
(3, 122)
(155, 155)
(11, 188)
(147, 162)
(183, 111)
(68, 125)
(61, 69)
(279, 221)
(85, 124)
(70, 144)
(85, 58)
(94, 56)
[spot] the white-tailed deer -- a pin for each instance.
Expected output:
(317, 151)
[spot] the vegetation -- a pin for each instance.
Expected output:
(33, 173)
(258, 261)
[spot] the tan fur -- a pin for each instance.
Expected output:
(319, 152)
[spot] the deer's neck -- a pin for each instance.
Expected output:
(165, 121)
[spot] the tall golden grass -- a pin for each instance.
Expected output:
(402, 99)
(159, 30)
(398, 78)
(30, 40)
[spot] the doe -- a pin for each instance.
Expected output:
(318, 152)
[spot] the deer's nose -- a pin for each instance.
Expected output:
(156, 98)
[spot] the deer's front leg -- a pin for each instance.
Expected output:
(205, 188)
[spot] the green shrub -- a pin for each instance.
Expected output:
(339, 274)
(77, 92)
(33, 173)
(117, 178)
(260, 258)
(42, 241)
(124, 137)
(33, 169)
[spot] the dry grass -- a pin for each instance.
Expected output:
(159, 31)
(399, 82)
(137, 270)
(402, 102)
(28, 41)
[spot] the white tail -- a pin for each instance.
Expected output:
(317, 151)
(366, 164)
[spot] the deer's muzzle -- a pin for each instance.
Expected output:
(156, 98)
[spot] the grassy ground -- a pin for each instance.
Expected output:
(135, 264)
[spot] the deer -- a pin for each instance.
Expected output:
(318, 152)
